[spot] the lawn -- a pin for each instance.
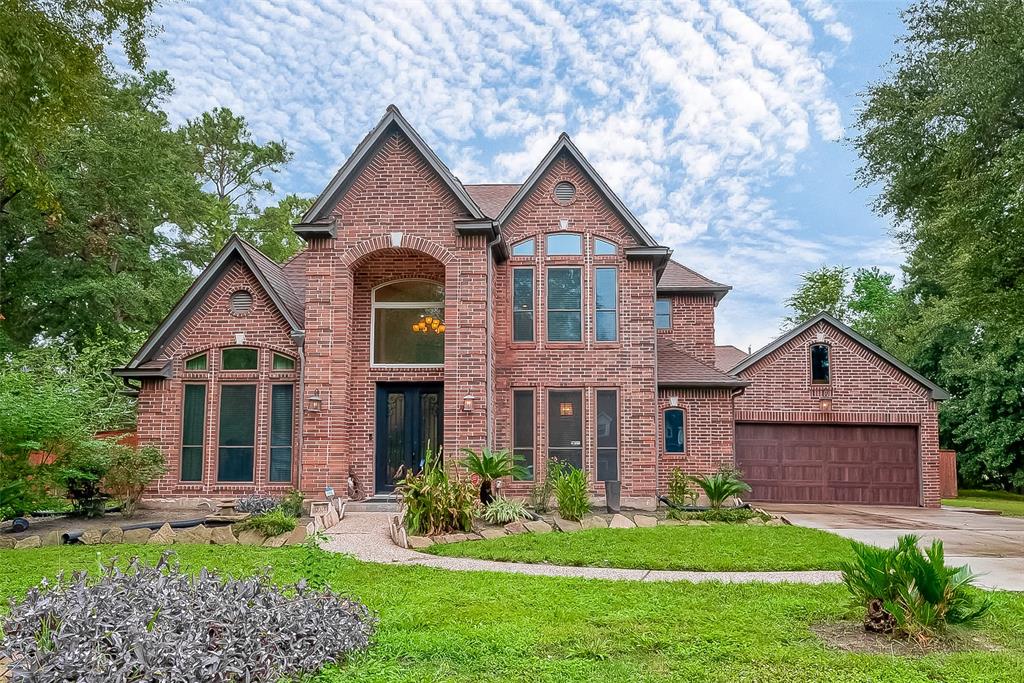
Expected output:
(718, 547)
(455, 626)
(1010, 504)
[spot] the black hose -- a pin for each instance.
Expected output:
(179, 524)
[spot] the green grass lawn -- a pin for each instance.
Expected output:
(459, 626)
(718, 547)
(1010, 504)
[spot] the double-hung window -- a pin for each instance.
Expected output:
(606, 429)
(523, 429)
(606, 297)
(522, 304)
(236, 435)
(193, 425)
(663, 314)
(281, 407)
(565, 304)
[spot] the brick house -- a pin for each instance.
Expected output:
(540, 317)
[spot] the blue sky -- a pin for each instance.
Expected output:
(719, 122)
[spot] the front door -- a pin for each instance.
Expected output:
(409, 421)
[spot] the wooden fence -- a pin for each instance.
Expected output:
(947, 474)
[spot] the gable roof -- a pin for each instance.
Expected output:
(677, 368)
(269, 274)
(678, 279)
(564, 145)
(938, 393)
(492, 197)
(316, 219)
(727, 356)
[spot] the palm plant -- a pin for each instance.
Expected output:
(490, 465)
(720, 486)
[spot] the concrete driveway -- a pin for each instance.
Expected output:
(992, 545)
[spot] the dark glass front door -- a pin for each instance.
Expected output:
(409, 420)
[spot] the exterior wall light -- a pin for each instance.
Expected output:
(468, 403)
(314, 402)
(825, 404)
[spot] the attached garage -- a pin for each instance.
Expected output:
(829, 463)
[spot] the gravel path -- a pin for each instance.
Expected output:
(365, 536)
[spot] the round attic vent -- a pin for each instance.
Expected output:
(565, 192)
(241, 302)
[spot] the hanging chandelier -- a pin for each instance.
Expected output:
(427, 324)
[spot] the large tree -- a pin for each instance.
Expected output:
(865, 298)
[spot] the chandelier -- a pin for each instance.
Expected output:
(427, 324)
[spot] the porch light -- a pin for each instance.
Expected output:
(314, 402)
(468, 403)
(565, 409)
(825, 404)
(429, 323)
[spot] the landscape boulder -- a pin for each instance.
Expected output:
(163, 536)
(645, 521)
(136, 536)
(222, 535)
(537, 527)
(621, 522)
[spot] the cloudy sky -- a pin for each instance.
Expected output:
(719, 122)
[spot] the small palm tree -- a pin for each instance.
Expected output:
(490, 465)
(720, 486)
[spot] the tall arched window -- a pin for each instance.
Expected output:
(408, 323)
(820, 364)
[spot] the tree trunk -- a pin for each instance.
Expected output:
(878, 619)
(485, 492)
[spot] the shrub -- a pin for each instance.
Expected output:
(436, 503)
(680, 489)
(490, 465)
(720, 515)
(541, 491)
(150, 623)
(720, 486)
(131, 471)
(255, 504)
(910, 592)
(273, 523)
(503, 510)
(79, 473)
(292, 503)
(571, 492)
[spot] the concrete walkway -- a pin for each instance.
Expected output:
(365, 536)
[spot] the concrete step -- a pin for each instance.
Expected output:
(374, 504)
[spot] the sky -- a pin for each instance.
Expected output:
(722, 124)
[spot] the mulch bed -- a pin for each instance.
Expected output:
(850, 636)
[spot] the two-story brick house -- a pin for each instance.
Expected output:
(540, 317)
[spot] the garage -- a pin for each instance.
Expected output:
(829, 463)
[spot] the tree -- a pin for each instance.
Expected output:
(820, 291)
(867, 299)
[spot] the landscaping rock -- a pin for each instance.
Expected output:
(222, 535)
(112, 536)
(755, 521)
(419, 542)
(297, 536)
(7, 542)
(91, 537)
(594, 523)
(645, 521)
(775, 522)
(276, 541)
(567, 525)
(696, 522)
(136, 536)
(537, 527)
(621, 522)
(28, 542)
(199, 535)
(251, 537)
(670, 522)
(491, 534)
(52, 538)
(455, 538)
(163, 536)
(516, 528)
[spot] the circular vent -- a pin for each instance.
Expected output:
(565, 192)
(241, 302)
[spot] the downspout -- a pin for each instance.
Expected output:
(658, 431)
(489, 339)
(299, 338)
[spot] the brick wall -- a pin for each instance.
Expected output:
(693, 325)
(863, 389)
(708, 432)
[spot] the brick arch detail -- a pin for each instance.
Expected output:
(358, 252)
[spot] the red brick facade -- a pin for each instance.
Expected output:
(397, 216)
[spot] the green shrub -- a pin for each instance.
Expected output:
(273, 523)
(541, 492)
(490, 465)
(79, 473)
(731, 515)
(436, 503)
(571, 484)
(503, 510)
(720, 486)
(292, 503)
(131, 471)
(681, 491)
(909, 592)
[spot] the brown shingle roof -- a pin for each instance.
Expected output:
(276, 278)
(492, 197)
(677, 368)
(728, 356)
(679, 278)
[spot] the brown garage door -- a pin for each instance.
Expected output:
(798, 463)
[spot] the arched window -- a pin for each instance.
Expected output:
(820, 364)
(524, 248)
(603, 247)
(408, 323)
(675, 431)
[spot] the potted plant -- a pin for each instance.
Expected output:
(489, 465)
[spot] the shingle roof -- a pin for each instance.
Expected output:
(492, 197)
(728, 356)
(278, 280)
(679, 278)
(677, 368)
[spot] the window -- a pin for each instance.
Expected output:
(663, 314)
(522, 429)
(281, 404)
(606, 295)
(193, 422)
(564, 244)
(241, 302)
(237, 432)
(239, 359)
(408, 323)
(283, 362)
(524, 248)
(603, 247)
(522, 304)
(607, 430)
(196, 362)
(820, 369)
(565, 426)
(675, 428)
(565, 296)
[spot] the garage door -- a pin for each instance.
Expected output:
(796, 463)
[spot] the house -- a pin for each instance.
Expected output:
(541, 317)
